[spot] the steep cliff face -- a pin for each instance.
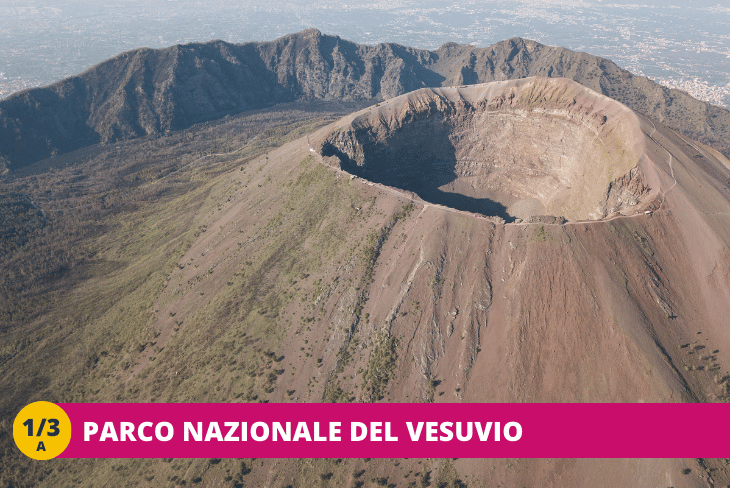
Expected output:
(515, 149)
(150, 92)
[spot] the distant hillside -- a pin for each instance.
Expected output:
(150, 92)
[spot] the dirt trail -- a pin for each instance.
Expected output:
(397, 259)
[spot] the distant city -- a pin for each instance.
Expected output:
(680, 46)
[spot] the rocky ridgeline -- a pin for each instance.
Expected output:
(151, 92)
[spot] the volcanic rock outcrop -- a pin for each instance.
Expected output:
(514, 149)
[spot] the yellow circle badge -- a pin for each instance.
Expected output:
(42, 430)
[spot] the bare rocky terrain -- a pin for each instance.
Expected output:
(527, 240)
(267, 273)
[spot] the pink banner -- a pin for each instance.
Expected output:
(388, 430)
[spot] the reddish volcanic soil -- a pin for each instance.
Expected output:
(560, 248)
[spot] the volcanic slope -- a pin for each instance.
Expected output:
(304, 284)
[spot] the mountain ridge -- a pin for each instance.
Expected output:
(153, 91)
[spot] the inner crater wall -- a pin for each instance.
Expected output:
(516, 151)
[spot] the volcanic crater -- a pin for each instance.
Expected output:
(530, 149)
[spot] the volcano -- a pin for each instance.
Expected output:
(527, 240)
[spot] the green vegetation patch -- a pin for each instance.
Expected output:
(381, 366)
